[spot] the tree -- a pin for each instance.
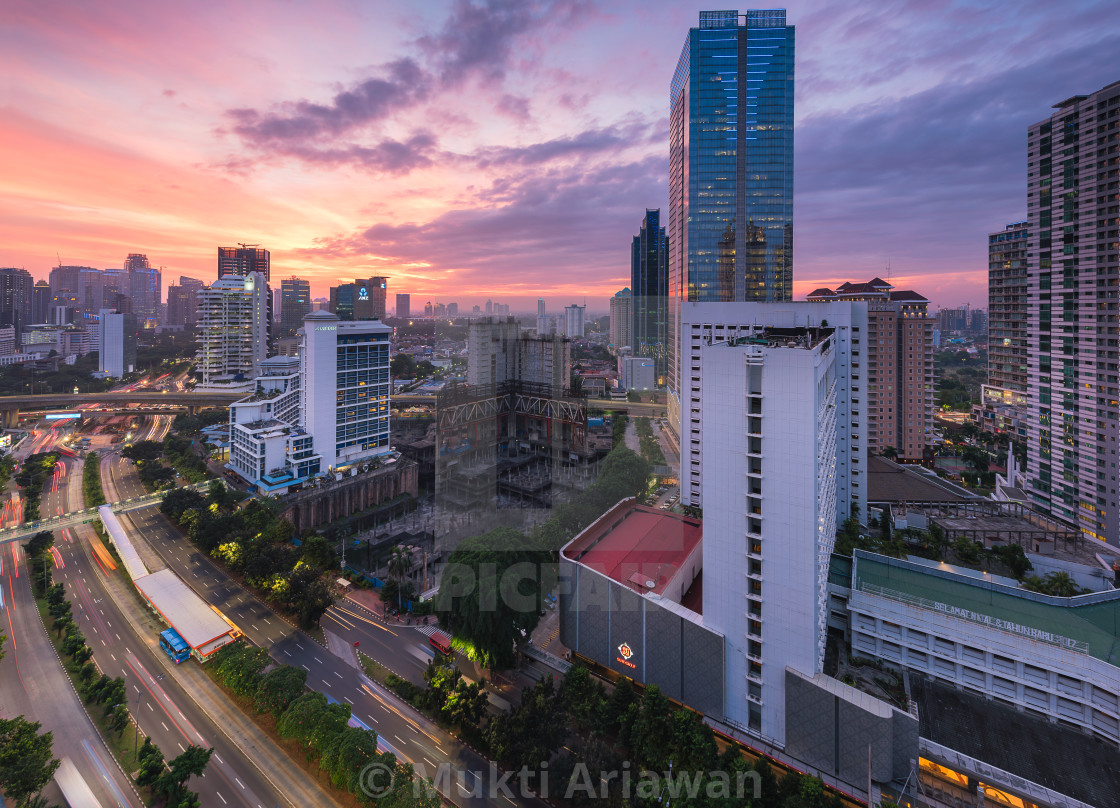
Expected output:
(191, 763)
(400, 562)
(533, 731)
(889, 452)
(279, 688)
(3, 639)
(118, 719)
(346, 754)
(151, 763)
(490, 594)
(240, 666)
(26, 763)
(582, 696)
(331, 721)
(145, 450)
(301, 717)
(402, 366)
(406, 792)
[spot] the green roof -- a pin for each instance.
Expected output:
(1090, 622)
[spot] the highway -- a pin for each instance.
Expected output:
(401, 729)
(33, 684)
(156, 699)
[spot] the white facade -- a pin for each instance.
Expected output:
(268, 446)
(232, 331)
(574, 321)
(1042, 654)
(7, 341)
(638, 372)
(716, 322)
(116, 343)
(770, 425)
(345, 392)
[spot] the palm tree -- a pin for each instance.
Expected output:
(400, 562)
(889, 452)
(1062, 585)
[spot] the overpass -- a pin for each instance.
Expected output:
(11, 406)
(89, 514)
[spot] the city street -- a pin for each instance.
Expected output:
(400, 728)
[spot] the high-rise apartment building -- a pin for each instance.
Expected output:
(404, 306)
(117, 343)
(1007, 307)
(730, 229)
(232, 331)
(114, 281)
(345, 387)
(649, 283)
(622, 319)
(1073, 269)
(68, 287)
(899, 365)
(703, 323)
(954, 320)
(295, 304)
(243, 259)
(182, 302)
(16, 298)
(574, 321)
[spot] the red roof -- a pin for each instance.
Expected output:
(824, 291)
(635, 545)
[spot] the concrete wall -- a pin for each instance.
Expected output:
(669, 647)
(831, 726)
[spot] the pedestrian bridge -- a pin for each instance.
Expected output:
(88, 514)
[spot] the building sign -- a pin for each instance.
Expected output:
(1006, 625)
(363, 293)
(624, 654)
(326, 328)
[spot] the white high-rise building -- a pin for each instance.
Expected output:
(772, 414)
(116, 343)
(345, 390)
(701, 323)
(574, 321)
(232, 331)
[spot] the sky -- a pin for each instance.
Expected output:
(507, 149)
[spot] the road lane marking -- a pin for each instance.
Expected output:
(165, 729)
(339, 675)
(223, 799)
(236, 780)
(399, 738)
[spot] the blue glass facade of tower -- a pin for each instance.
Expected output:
(730, 228)
(649, 286)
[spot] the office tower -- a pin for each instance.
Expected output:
(574, 321)
(404, 306)
(40, 302)
(440, 310)
(345, 393)
(899, 365)
(360, 300)
(1073, 268)
(92, 282)
(489, 307)
(295, 304)
(978, 322)
(730, 229)
(453, 309)
(117, 343)
(622, 319)
(541, 311)
(144, 288)
(243, 259)
(649, 283)
(114, 281)
(232, 330)
(773, 401)
(716, 322)
(428, 309)
(637, 373)
(16, 298)
(182, 302)
(67, 291)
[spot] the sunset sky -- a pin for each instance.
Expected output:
(507, 149)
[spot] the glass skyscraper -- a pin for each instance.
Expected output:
(649, 287)
(730, 229)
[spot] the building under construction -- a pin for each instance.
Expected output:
(513, 435)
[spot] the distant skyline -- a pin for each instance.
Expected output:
(507, 149)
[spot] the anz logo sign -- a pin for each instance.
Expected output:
(363, 293)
